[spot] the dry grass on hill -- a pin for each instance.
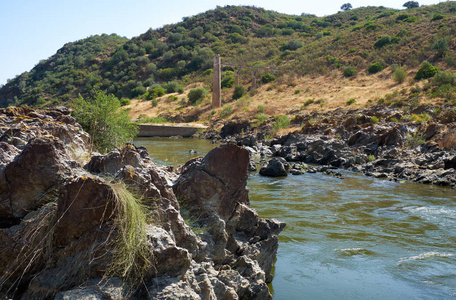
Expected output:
(289, 96)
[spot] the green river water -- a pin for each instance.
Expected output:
(351, 238)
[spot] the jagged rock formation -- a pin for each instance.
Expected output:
(59, 216)
(395, 148)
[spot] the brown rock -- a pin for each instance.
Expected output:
(39, 167)
(83, 204)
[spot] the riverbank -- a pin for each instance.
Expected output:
(414, 144)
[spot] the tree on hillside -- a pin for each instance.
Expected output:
(411, 4)
(103, 119)
(346, 6)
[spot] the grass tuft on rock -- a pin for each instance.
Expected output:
(131, 253)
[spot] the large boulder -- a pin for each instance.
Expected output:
(277, 167)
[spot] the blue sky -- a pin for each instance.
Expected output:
(32, 30)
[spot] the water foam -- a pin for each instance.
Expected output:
(426, 255)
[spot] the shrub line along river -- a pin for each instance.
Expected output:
(351, 238)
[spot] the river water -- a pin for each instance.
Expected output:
(350, 238)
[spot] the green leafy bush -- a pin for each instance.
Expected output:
(351, 101)
(102, 117)
(383, 41)
(154, 103)
(228, 81)
(443, 77)
(437, 17)
(125, 101)
(267, 78)
(427, 70)
(239, 91)
(196, 95)
(399, 75)
(349, 71)
(172, 87)
(155, 92)
(375, 67)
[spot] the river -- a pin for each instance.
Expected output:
(351, 238)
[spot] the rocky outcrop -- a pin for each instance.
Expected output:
(378, 141)
(61, 212)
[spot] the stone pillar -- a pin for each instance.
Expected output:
(217, 83)
(236, 76)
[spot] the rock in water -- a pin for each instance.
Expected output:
(277, 167)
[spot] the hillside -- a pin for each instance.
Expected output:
(309, 52)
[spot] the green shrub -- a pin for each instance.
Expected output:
(437, 17)
(375, 67)
(383, 41)
(427, 70)
(374, 120)
(154, 102)
(443, 77)
(399, 75)
(196, 95)
(171, 87)
(261, 118)
(351, 101)
(228, 82)
(226, 111)
(281, 122)
(441, 46)
(155, 92)
(414, 140)
(267, 78)
(239, 91)
(103, 119)
(411, 19)
(292, 45)
(349, 71)
(125, 101)
(297, 92)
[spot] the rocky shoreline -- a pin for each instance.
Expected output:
(60, 208)
(416, 144)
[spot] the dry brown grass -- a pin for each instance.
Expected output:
(328, 92)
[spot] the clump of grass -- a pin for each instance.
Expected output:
(261, 118)
(307, 103)
(131, 254)
(371, 158)
(281, 122)
(424, 117)
(351, 101)
(374, 120)
(226, 111)
(260, 109)
(414, 140)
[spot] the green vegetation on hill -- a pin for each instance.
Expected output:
(351, 40)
